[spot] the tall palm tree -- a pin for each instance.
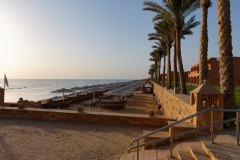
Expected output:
(162, 50)
(165, 30)
(160, 53)
(187, 30)
(155, 58)
(151, 72)
(176, 12)
(154, 68)
(225, 53)
(203, 66)
(175, 70)
(164, 68)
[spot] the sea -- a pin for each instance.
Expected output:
(39, 89)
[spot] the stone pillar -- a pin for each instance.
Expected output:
(203, 97)
(2, 96)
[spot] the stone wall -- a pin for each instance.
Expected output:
(2, 94)
(91, 117)
(173, 105)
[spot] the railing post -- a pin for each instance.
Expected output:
(138, 150)
(237, 127)
(171, 142)
(212, 125)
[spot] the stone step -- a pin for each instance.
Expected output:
(171, 158)
(143, 155)
(161, 134)
(184, 155)
(198, 153)
(181, 127)
(221, 151)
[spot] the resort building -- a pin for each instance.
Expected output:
(213, 72)
(172, 76)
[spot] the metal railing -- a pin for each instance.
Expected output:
(171, 137)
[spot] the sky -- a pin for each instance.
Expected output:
(89, 39)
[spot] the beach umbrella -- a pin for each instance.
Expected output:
(63, 90)
(148, 86)
(76, 89)
(85, 87)
(93, 90)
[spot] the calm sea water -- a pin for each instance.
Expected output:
(37, 89)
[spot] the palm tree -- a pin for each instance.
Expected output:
(175, 13)
(165, 30)
(160, 53)
(164, 69)
(225, 52)
(175, 71)
(153, 67)
(187, 30)
(203, 66)
(155, 58)
(162, 50)
(151, 72)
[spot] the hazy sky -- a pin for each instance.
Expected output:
(90, 39)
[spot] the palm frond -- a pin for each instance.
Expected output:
(189, 6)
(189, 25)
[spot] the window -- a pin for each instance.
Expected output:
(209, 67)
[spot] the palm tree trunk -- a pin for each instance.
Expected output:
(169, 79)
(203, 66)
(156, 72)
(159, 71)
(225, 53)
(175, 67)
(180, 64)
(163, 75)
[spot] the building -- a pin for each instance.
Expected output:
(213, 72)
(172, 76)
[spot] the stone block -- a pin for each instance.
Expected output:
(80, 110)
(21, 106)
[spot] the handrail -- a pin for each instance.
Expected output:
(182, 120)
(179, 134)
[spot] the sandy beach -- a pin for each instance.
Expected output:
(139, 103)
(39, 139)
(34, 139)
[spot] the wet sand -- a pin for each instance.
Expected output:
(34, 139)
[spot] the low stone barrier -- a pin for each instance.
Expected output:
(91, 117)
(174, 105)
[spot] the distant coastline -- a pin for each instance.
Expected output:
(37, 89)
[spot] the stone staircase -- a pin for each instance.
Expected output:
(207, 151)
(148, 151)
(184, 126)
(189, 147)
(195, 153)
